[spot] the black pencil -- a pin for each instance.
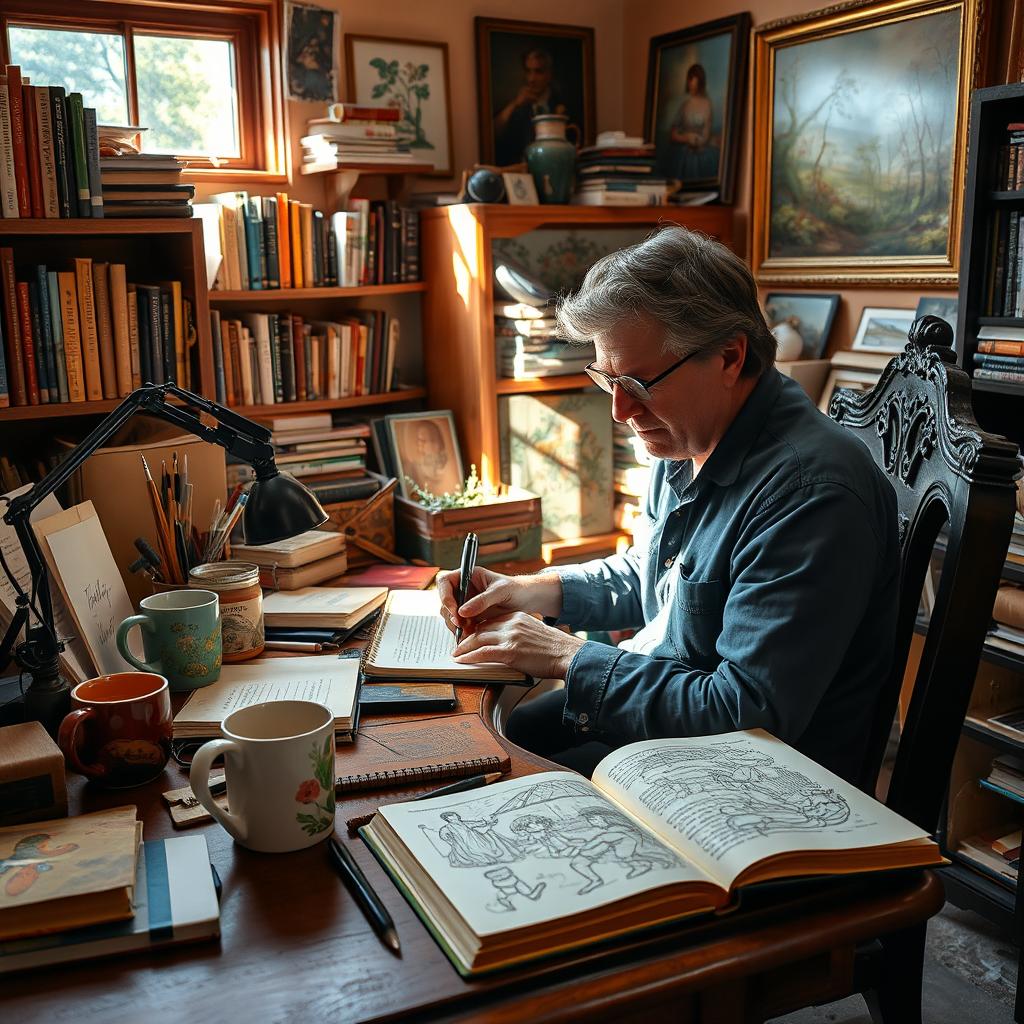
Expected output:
(473, 782)
(369, 902)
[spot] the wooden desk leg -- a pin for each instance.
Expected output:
(897, 1000)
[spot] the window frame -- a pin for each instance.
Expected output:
(252, 26)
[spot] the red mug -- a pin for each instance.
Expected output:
(119, 733)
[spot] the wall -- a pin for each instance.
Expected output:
(653, 17)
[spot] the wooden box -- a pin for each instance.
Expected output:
(368, 520)
(508, 527)
(32, 785)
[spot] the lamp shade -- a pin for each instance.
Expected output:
(280, 507)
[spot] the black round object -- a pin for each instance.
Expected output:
(485, 186)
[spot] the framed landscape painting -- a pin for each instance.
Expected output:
(410, 74)
(860, 142)
(883, 330)
(695, 80)
(810, 314)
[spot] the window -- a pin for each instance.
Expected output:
(201, 80)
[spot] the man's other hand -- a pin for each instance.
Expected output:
(522, 643)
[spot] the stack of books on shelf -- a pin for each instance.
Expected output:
(49, 151)
(328, 453)
(268, 242)
(528, 345)
(365, 134)
(1009, 169)
(996, 851)
(84, 333)
(1000, 354)
(620, 170)
(631, 469)
(1007, 631)
(1006, 776)
(145, 185)
(265, 358)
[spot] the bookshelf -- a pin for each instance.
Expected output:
(999, 407)
(458, 306)
(271, 296)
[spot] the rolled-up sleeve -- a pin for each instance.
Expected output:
(801, 577)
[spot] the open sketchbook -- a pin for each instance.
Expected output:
(667, 828)
(412, 641)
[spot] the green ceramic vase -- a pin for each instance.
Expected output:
(551, 158)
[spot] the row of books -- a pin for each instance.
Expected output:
(49, 151)
(619, 171)
(999, 354)
(1009, 168)
(371, 138)
(86, 333)
(271, 242)
(1004, 275)
(266, 358)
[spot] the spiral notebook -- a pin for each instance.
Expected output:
(446, 747)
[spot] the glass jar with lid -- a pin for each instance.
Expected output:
(237, 584)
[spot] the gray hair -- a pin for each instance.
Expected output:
(700, 292)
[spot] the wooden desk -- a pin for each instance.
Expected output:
(295, 947)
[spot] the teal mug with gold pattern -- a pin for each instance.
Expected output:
(181, 637)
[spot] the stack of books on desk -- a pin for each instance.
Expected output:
(86, 886)
(311, 557)
(528, 345)
(368, 135)
(620, 170)
(145, 185)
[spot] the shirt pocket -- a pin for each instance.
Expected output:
(699, 605)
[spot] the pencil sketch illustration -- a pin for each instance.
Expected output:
(551, 839)
(723, 794)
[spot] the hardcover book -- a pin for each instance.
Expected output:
(667, 829)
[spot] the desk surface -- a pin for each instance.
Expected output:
(294, 945)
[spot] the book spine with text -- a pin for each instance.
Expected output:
(35, 179)
(287, 357)
(145, 345)
(270, 242)
(167, 335)
(88, 330)
(15, 369)
(104, 328)
(8, 179)
(120, 328)
(73, 357)
(57, 327)
(297, 242)
(16, 101)
(42, 295)
(134, 342)
(254, 241)
(28, 345)
(92, 160)
(47, 155)
(36, 330)
(299, 350)
(79, 157)
(218, 358)
(62, 152)
(275, 356)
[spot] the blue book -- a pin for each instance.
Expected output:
(42, 292)
(253, 240)
(175, 900)
(57, 330)
(269, 247)
(42, 360)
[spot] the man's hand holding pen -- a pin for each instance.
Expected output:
(499, 622)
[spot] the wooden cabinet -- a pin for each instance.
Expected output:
(458, 307)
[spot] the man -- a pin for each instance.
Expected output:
(427, 463)
(513, 125)
(763, 577)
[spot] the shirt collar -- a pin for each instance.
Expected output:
(724, 464)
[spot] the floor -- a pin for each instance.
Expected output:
(970, 975)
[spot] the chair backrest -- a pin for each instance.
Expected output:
(920, 428)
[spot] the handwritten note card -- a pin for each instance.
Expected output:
(94, 589)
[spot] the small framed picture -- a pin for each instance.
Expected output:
(945, 308)
(313, 37)
(810, 314)
(426, 451)
(883, 330)
(841, 377)
(520, 189)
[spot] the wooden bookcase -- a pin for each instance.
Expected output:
(999, 407)
(458, 307)
(151, 249)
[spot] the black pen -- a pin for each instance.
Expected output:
(473, 782)
(369, 902)
(469, 549)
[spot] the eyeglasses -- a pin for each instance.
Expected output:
(638, 389)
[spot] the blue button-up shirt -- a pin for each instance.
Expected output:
(764, 590)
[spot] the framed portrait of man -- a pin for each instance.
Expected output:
(426, 451)
(526, 68)
(313, 36)
(695, 83)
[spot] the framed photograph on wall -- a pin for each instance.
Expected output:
(426, 451)
(312, 52)
(810, 314)
(695, 82)
(525, 68)
(411, 74)
(883, 330)
(860, 140)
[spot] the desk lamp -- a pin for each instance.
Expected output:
(278, 507)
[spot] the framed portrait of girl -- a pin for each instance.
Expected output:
(695, 81)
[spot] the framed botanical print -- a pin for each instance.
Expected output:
(860, 141)
(695, 82)
(410, 74)
(526, 68)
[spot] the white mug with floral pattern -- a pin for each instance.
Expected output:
(279, 768)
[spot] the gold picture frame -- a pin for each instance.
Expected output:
(794, 241)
